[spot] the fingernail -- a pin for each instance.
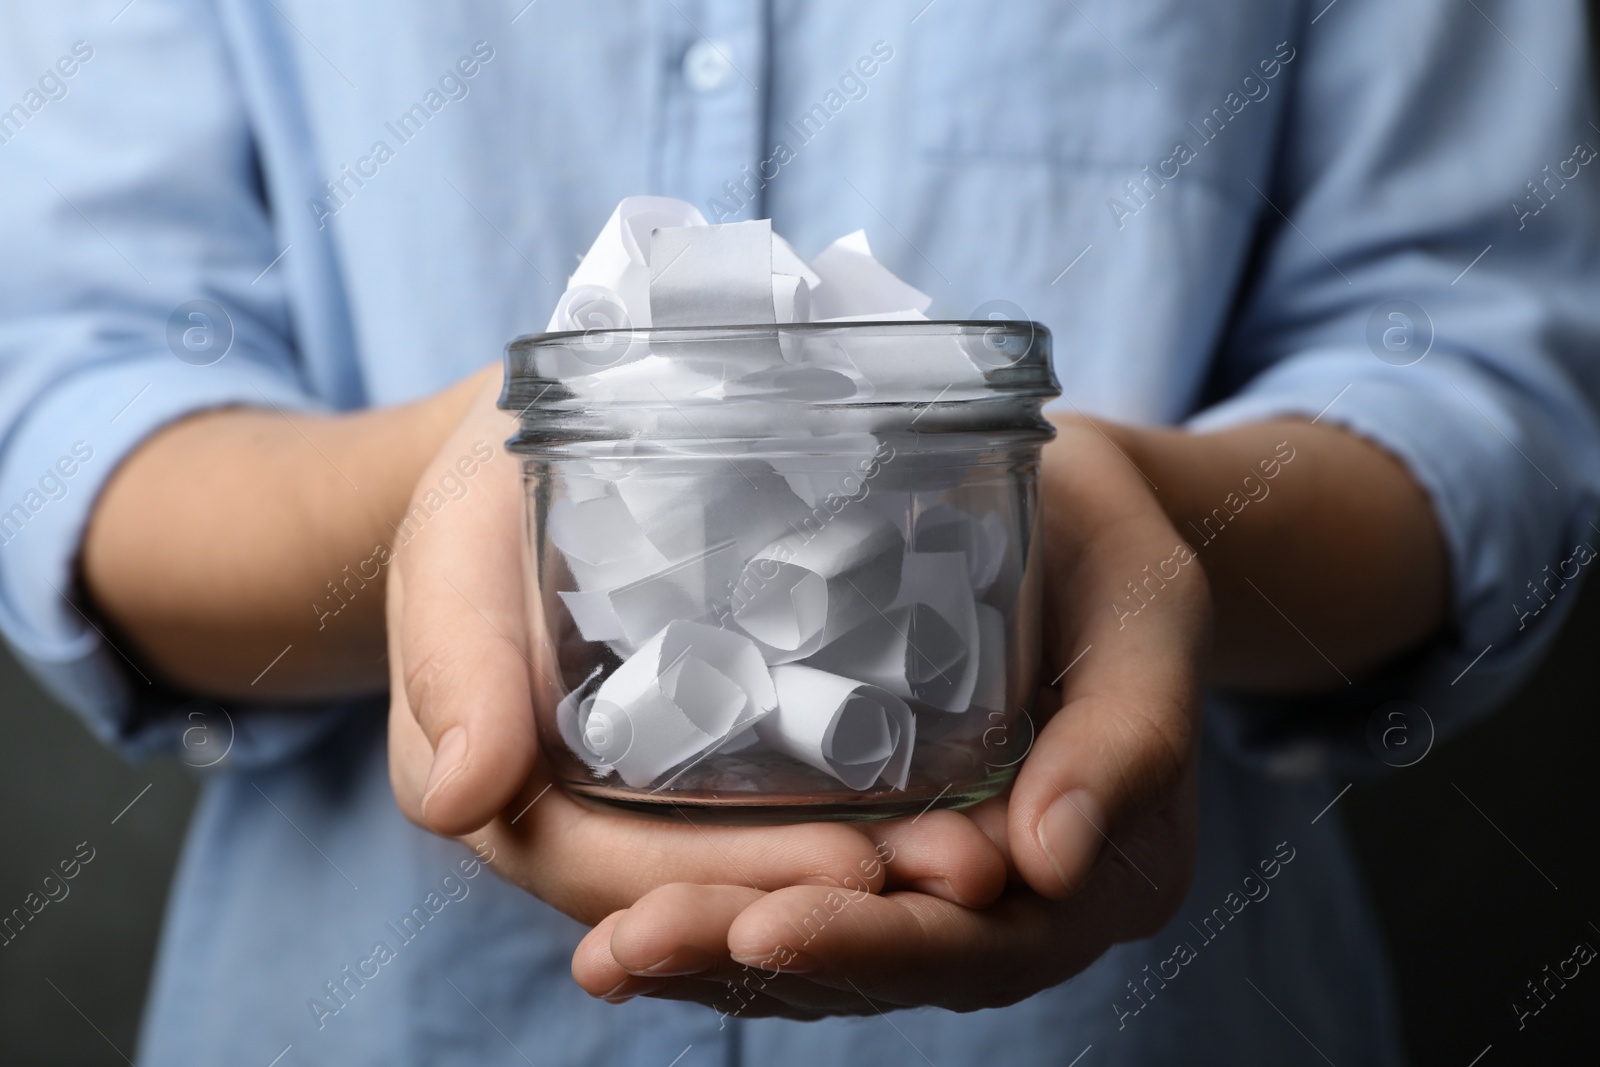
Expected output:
(629, 988)
(683, 961)
(786, 960)
(1070, 835)
(447, 760)
(941, 888)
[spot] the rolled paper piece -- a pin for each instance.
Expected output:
(789, 384)
(619, 259)
(685, 692)
(594, 615)
(712, 275)
(943, 633)
(602, 543)
(646, 379)
(946, 528)
(590, 307)
(626, 615)
(627, 588)
(853, 283)
(900, 365)
(681, 507)
(572, 707)
(575, 706)
(822, 348)
(598, 313)
(857, 732)
(582, 482)
(791, 298)
(690, 589)
(925, 647)
(989, 691)
(809, 587)
(851, 462)
(792, 302)
(669, 542)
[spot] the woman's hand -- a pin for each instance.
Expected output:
(463, 752)
(1099, 828)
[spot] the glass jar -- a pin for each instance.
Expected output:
(782, 573)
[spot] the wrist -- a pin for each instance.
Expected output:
(386, 450)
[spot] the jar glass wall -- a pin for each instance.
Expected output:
(784, 572)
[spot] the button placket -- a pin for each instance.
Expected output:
(714, 98)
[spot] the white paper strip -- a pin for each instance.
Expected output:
(682, 507)
(943, 635)
(879, 597)
(892, 367)
(590, 307)
(945, 528)
(689, 589)
(596, 617)
(602, 543)
(640, 377)
(786, 261)
(791, 298)
(806, 589)
(686, 691)
(712, 275)
(846, 469)
(856, 732)
(989, 692)
(619, 259)
(925, 647)
(670, 542)
(853, 283)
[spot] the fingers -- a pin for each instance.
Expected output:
(459, 638)
(941, 853)
(992, 820)
(410, 754)
(589, 861)
(816, 950)
(1129, 614)
(673, 945)
(675, 930)
(909, 949)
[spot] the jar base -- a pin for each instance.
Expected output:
(773, 809)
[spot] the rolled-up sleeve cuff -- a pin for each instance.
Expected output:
(53, 466)
(1510, 472)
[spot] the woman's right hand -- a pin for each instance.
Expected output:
(464, 753)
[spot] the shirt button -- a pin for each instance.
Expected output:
(706, 66)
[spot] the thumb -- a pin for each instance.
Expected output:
(462, 662)
(1122, 744)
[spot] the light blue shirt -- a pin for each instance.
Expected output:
(1216, 207)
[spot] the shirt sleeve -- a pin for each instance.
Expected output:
(137, 286)
(1426, 277)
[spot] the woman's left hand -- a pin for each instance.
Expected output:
(1098, 830)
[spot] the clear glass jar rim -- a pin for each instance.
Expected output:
(1010, 358)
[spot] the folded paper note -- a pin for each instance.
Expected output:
(856, 732)
(619, 262)
(803, 591)
(945, 528)
(855, 286)
(683, 694)
(712, 274)
(926, 645)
